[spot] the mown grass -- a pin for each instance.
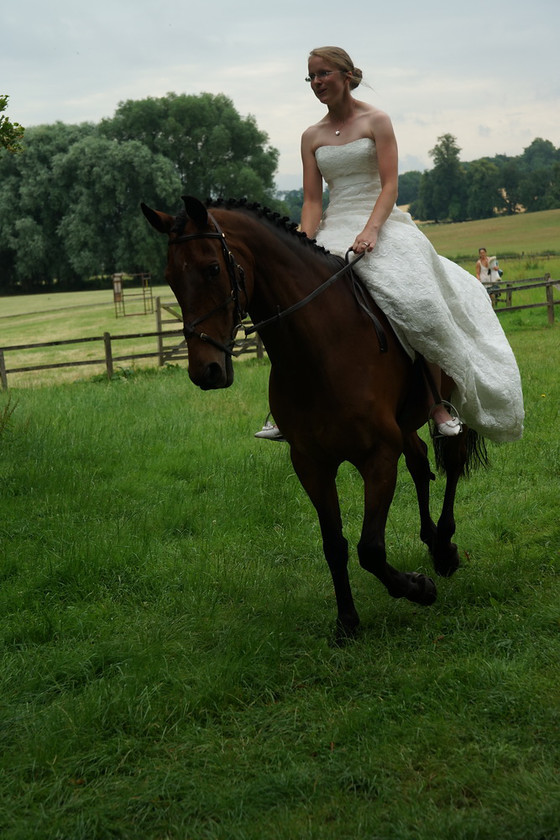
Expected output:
(167, 618)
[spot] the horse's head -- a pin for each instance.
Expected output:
(209, 287)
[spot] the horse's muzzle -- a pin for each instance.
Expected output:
(213, 375)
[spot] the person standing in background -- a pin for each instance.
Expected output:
(483, 266)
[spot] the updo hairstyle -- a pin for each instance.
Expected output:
(342, 61)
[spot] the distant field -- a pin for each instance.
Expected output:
(527, 233)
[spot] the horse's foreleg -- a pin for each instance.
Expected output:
(380, 474)
(319, 483)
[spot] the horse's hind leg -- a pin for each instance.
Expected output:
(319, 482)
(453, 453)
(438, 538)
(416, 457)
(379, 474)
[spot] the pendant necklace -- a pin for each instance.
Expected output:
(338, 130)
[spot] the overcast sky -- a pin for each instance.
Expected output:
(486, 71)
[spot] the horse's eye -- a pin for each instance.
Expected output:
(212, 270)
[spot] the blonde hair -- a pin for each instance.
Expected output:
(341, 60)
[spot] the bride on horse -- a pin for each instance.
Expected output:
(437, 309)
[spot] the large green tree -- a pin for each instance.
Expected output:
(442, 193)
(540, 154)
(31, 206)
(216, 151)
(11, 133)
(69, 207)
(482, 179)
(69, 204)
(448, 180)
(105, 182)
(409, 187)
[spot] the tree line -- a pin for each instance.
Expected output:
(70, 197)
(456, 191)
(70, 194)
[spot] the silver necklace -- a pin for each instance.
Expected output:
(338, 130)
(342, 124)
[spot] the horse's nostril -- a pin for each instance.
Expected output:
(211, 377)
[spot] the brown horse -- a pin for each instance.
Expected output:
(334, 391)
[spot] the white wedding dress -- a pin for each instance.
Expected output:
(435, 307)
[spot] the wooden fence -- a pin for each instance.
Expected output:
(502, 294)
(170, 346)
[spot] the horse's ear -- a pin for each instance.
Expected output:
(196, 211)
(162, 222)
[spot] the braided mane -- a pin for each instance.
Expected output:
(282, 223)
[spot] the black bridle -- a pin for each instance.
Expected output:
(236, 276)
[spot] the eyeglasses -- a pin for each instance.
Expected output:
(322, 74)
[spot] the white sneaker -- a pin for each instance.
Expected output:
(270, 432)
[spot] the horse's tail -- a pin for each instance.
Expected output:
(474, 455)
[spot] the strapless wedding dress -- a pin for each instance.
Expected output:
(435, 307)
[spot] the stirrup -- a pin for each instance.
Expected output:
(455, 421)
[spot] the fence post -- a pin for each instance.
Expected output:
(158, 329)
(3, 374)
(549, 299)
(108, 355)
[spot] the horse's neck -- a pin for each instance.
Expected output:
(296, 338)
(285, 270)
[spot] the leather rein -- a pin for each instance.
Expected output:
(236, 276)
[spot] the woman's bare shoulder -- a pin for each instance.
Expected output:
(311, 137)
(374, 115)
(312, 131)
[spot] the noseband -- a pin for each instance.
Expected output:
(237, 284)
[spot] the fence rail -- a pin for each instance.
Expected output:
(502, 294)
(163, 353)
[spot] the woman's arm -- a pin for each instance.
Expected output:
(387, 159)
(312, 209)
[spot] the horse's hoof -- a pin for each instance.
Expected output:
(423, 590)
(446, 564)
(345, 632)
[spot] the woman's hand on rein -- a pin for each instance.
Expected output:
(364, 242)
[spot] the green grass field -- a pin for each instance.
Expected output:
(524, 234)
(167, 617)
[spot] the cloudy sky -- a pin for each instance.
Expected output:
(486, 71)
